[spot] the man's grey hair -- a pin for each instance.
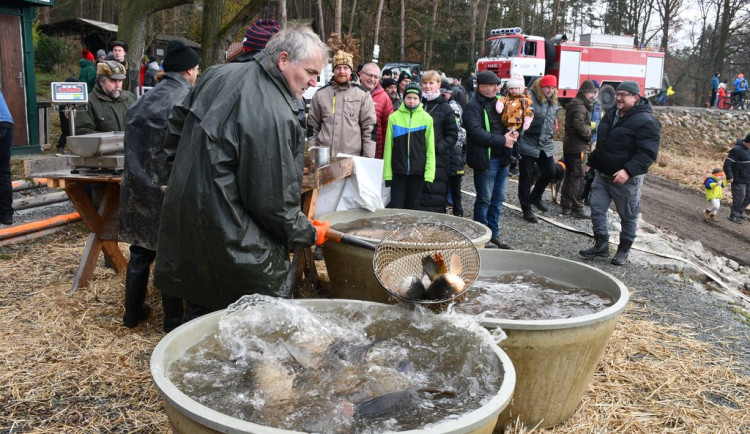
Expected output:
(371, 64)
(299, 41)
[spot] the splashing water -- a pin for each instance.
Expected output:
(529, 296)
(362, 368)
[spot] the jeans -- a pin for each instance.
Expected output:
(6, 185)
(526, 168)
(627, 199)
(490, 187)
(662, 98)
(740, 198)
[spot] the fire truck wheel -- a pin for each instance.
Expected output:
(607, 96)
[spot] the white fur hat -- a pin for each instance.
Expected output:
(510, 84)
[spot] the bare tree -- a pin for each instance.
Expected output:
(403, 29)
(337, 17)
(483, 29)
(282, 6)
(321, 27)
(432, 34)
(132, 24)
(377, 21)
(668, 10)
(211, 51)
(351, 19)
(473, 37)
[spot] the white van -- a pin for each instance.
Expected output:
(323, 79)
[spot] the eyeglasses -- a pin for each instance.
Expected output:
(623, 94)
(371, 76)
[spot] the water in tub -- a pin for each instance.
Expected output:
(379, 227)
(363, 368)
(530, 296)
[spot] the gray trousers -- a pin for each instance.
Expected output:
(740, 198)
(627, 198)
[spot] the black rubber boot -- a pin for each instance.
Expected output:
(601, 247)
(621, 257)
(529, 216)
(173, 312)
(136, 284)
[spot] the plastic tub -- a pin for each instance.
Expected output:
(188, 416)
(554, 359)
(350, 268)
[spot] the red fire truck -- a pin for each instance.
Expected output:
(608, 59)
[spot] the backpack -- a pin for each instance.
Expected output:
(743, 84)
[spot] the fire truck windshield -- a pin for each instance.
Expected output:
(504, 47)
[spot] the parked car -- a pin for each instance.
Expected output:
(397, 67)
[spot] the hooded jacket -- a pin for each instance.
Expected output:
(383, 109)
(87, 73)
(630, 142)
(539, 135)
(737, 164)
(446, 134)
(342, 118)
(232, 207)
(149, 78)
(409, 147)
(145, 170)
(103, 113)
(713, 186)
(485, 134)
(577, 125)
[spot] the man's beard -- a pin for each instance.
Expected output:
(114, 93)
(340, 78)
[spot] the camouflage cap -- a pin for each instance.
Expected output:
(343, 58)
(110, 69)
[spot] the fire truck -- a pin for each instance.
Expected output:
(608, 59)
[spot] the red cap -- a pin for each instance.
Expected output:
(86, 54)
(548, 80)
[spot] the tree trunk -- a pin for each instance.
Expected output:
(473, 37)
(211, 51)
(403, 30)
(377, 20)
(483, 30)
(321, 27)
(351, 18)
(132, 23)
(433, 27)
(337, 18)
(240, 19)
(282, 6)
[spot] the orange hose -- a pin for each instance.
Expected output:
(26, 228)
(40, 181)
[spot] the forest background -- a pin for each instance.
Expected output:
(700, 37)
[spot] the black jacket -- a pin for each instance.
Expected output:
(737, 164)
(446, 134)
(481, 144)
(630, 142)
(145, 170)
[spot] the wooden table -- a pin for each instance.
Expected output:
(103, 222)
(339, 168)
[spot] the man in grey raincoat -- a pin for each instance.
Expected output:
(232, 206)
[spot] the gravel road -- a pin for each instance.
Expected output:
(670, 298)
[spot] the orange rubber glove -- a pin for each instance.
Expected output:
(321, 227)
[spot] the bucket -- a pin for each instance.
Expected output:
(554, 359)
(350, 268)
(188, 416)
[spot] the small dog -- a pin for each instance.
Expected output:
(557, 178)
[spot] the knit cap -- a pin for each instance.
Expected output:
(548, 81)
(413, 88)
(100, 54)
(630, 86)
(403, 76)
(587, 86)
(445, 87)
(343, 58)
(388, 82)
(513, 84)
(179, 57)
(717, 172)
(258, 34)
(86, 54)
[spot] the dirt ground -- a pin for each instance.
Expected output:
(679, 211)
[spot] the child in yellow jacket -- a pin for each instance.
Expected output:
(713, 185)
(516, 109)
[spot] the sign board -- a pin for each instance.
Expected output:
(69, 93)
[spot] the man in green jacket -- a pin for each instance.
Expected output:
(108, 103)
(232, 207)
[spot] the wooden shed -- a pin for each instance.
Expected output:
(17, 77)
